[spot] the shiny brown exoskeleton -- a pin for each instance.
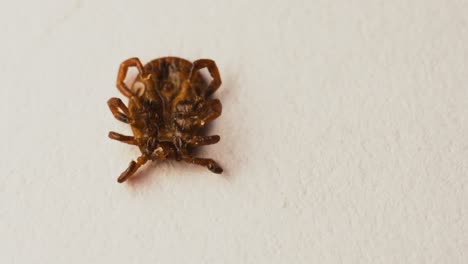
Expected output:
(167, 107)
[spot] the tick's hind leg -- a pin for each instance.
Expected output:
(214, 72)
(119, 109)
(132, 168)
(209, 163)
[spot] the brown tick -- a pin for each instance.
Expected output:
(168, 105)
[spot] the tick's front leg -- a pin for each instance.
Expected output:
(214, 72)
(132, 62)
(132, 168)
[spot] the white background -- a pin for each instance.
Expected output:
(344, 133)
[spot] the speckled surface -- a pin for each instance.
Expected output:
(344, 133)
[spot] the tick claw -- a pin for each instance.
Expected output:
(121, 179)
(132, 167)
(215, 168)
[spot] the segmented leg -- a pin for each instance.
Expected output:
(118, 109)
(209, 163)
(214, 72)
(122, 138)
(203, 140)
(132, 168)
(214, 109)
(132, 62)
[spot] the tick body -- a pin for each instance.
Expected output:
(168, 105)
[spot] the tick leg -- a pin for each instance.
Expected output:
(214, 72)
(132, 168)
(209, 163)
(213, 110)
(203, 140)
(115, 105)
(132, 62)
(123, 138)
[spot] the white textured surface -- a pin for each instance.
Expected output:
(344, 133)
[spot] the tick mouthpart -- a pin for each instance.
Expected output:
(215, 168)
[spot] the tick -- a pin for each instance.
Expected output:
(168, 105)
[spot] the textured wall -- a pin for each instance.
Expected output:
(344, 133)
